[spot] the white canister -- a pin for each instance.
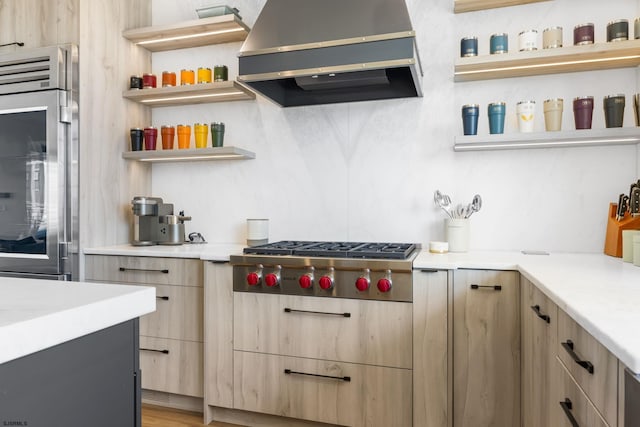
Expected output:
(636, 250)
(526, 115)
(457, 232)
(627, 244)
(528, 40)
(257, 231)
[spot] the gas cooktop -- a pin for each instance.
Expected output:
(335, 249)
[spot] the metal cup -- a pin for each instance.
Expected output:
(553, 114)
(217, 134)
(150, 138)
(137, 135)
(636, 107)
(470, 115)
(614, 110)
(583, 112)
(499, 43)
(552, 38)
(526, 114)
(496, 112)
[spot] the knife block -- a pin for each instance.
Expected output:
(613, 240)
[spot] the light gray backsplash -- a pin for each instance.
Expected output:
(367, 171)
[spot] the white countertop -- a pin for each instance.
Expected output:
(36, 314)
(599, 292)
(203, 251)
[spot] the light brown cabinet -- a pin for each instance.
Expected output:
(353, 355)
(486, 348)
(345, 330)
(572, 407)
(171, 338)
(539, 367)
(431, 367)
(345, 394)
(592, 366)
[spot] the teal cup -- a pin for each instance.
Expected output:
(470, 115)
(496, 113)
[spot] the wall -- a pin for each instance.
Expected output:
(367, 171)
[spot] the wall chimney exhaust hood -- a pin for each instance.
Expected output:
(309, 52)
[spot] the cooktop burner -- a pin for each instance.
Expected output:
(335, 249)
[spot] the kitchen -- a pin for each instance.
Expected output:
(362, 163)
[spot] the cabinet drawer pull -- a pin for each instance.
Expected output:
(163, 298)
(291, 310)
(545, 317)
(164, 271)
(494, 287)
(584, 363)
(153, 349)
(567, 406)
(290, 372)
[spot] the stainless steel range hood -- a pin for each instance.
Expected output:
(309, 52)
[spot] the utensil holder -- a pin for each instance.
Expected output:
(457, 232)
(613, 239)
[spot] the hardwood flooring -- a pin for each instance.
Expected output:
(158, 416)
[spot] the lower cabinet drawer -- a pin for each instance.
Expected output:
(172, 366)
(594, 368)
(353, 331)
(324, 391)
(178, 314)
(571, 406)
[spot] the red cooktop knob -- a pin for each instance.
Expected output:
(253, 279)
(271, 280)
(384, 285)
(305, 281)
(325, 282)
(362, 284)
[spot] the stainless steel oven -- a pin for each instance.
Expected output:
(39, 163)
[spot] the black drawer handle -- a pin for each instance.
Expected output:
(291, 310)
(153, 349)
(567, 406)
(545, 317)
(165, 271)
(584, 363)
(494, 287)
(163, 298)
(290, 372)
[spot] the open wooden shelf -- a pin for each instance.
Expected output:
(460, 6)
(190, 155)
(199, 32)
(569, 138)
(598, 56)
(190, 94)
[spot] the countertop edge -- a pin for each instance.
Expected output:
(39, 332)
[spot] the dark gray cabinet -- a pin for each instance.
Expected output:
(93, 381)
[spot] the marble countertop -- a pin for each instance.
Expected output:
(36, 314)
(599, 292)
(204, 251)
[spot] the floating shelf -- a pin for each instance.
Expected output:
(191, 155)
(598, 56)
(199, 32)
(190, 94)
(570, 138)
(460, 6)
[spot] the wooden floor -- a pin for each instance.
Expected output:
(157, 416)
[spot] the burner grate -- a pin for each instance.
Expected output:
(335, 249)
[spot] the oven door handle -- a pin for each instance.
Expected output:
(291, 310)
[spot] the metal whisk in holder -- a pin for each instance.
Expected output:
(154, 222)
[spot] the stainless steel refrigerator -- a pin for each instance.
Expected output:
(39, 163)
